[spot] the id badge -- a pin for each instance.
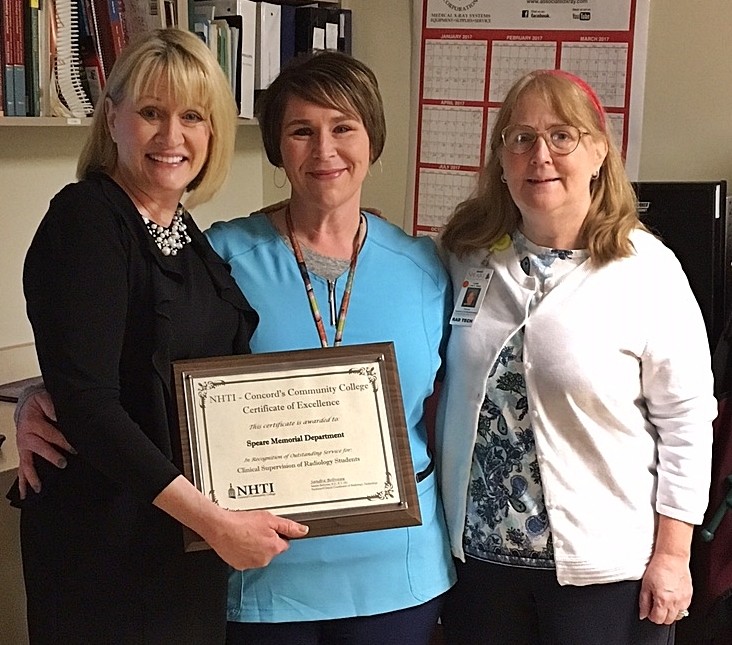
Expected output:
(471, 295)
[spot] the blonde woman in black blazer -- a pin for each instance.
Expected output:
(119, 282)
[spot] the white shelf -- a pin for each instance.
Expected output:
(41, 121)
(55, 121)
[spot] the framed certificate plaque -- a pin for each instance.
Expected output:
(316, 435)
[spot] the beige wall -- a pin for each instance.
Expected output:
(382, 39)
(687, 127)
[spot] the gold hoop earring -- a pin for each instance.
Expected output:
(381, 167)
(503, 179)
(284, 177)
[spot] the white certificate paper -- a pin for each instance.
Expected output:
(315, 435)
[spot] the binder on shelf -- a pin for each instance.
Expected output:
(267, 58)
(170, 13)
(287, 34)
(241, 15)
(234, 63)
(216, 33)
(174, 13)
(32, 59)
(19, 57)
(345, 30)
(309, 29)
(332, 24)
(46, 14)
(8, 58)
(212, 35)
(200, 28)
(223, 49)
(180, 15)
(2, 79)
(200, 19)
(245, 23)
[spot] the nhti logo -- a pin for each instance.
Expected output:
(251, 490)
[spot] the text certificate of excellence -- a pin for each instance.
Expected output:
(315, 435)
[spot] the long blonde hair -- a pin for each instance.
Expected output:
(490, 212)
(194, 76)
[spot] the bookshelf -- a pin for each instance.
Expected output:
(181, 9)
(67, 122)
(42, 121)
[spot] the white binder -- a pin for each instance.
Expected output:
(241, 15)
(267, 62)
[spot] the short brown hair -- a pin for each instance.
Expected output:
(490, 212)
(193, 74)
(329, 79)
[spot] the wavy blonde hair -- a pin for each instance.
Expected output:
(181, 60)
(490, 212)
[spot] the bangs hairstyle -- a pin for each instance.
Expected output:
(490, 212)
(331, 80)
(181, 62)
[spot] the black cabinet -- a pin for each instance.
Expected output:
(691, 219)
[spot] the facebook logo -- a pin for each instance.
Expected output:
(524, 13)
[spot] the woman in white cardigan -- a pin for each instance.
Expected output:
(574, 429)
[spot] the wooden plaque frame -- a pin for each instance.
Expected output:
(358, 375)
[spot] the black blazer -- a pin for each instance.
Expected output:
(101, 563)
(99, 294)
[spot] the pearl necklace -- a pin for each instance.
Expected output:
(172, 239)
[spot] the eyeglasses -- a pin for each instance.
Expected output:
(560, 139)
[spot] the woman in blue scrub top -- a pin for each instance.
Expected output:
(322, 121)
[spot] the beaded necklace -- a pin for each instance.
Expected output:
(172, 239)
(314, 309)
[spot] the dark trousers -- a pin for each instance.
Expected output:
(502, 605)
(95, 575)
(411, 626)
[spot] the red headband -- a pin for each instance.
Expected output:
(584, 86)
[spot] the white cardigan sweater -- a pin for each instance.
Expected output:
(620, 396)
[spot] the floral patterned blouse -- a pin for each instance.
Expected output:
(507, 522)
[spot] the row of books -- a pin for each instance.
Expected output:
(253, 40)
(15, 15)
(56, 56)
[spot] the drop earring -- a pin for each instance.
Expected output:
(381, 167)
(283, 177)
